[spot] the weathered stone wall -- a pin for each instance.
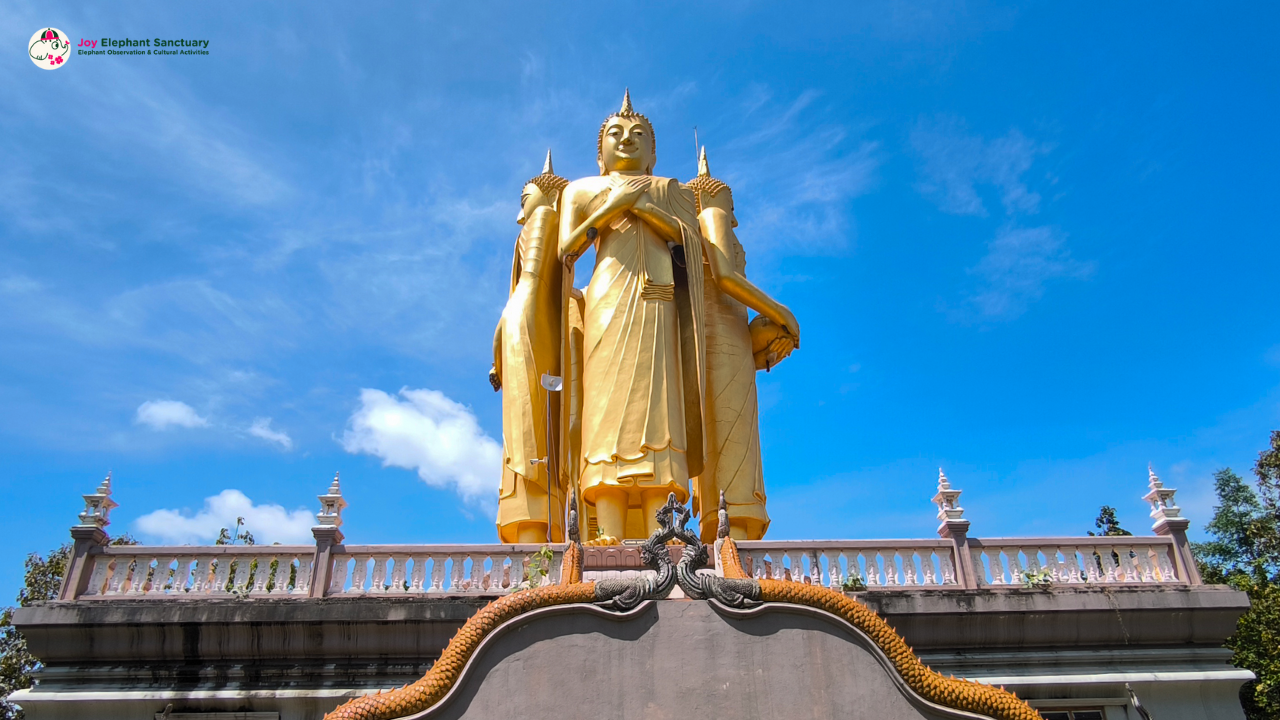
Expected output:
(129, 659)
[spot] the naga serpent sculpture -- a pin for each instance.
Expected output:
(735, 589)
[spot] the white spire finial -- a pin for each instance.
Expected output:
(98, 505)
(1163, 506)
(331, 505)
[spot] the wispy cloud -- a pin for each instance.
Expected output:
(955, 164)
(794, 172)
(1018, 265)
(268, 523)
(164, 414)
(424, 430)
(261, 428)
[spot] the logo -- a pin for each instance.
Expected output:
(49, 48)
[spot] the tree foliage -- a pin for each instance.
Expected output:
(1108, 523)
(1244, 552)
(41, 583)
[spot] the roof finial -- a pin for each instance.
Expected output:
(546, 166)
(626, 110)
(703, 169)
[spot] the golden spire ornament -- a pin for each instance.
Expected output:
(547, 169)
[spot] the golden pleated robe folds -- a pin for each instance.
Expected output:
(733, 413)
(531, 346)
(644, 362)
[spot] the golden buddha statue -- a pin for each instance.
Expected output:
(527, 346)
(733, 464)
(642, 357)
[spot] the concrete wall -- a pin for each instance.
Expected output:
(300, 658)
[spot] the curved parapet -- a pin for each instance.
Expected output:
(679, 658)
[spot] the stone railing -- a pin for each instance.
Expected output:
(423, 569)
(877, 563)
(952, 561)
(1076, 561)
(286, 571)
(135, 571)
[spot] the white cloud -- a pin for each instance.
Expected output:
(268, 523)
(162, 414)
(427, 432)
(955, 163)
(261, 428)
(1018, 264)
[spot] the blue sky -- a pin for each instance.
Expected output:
(1029, 244)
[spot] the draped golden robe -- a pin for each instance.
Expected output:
(643, 357)
(733, 412)
(531, 346)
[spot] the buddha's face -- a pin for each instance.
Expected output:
(627, 146)
(722, 200)
(532, 198)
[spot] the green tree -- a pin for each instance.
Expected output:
(1244, 552)
(42, 581)
(1108, 523)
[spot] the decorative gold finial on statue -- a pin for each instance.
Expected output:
(704, 184)
(626, 110)
(548, 182)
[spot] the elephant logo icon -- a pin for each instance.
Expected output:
(49, 48)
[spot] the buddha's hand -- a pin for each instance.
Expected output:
(495, 379)
(625, 191)
(791, 326)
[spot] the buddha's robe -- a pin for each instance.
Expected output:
(531, 346)
(643, 364)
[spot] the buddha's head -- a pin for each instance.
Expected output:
(542, 190)
(709, 192)
(626, 143)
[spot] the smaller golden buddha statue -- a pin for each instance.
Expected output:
(735, 350)
(527, 346)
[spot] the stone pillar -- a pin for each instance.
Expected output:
(955, 528)
(1170, 523)
(327, 534)
(89, 534)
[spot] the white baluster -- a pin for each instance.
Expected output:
(836, 569)
(477, 574)
(1015, 565)
(455, 578)
(398, 571)
(1109, 567)
(378, 583)
(553, 576)
(949, 571)
(1072, 563)
(359, 573)
(908, 567)
(119, 569)
(1145, 573)
(419, 576)
(437, 573)
(302, 582)
(243, 566)
(160, 578)
(930, 573)
(338, 577)
(202, 576)
(1164, 564)
(222, 576)
(283, 568)
(182, 574)
(138, 575)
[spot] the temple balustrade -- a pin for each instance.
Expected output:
(287, 571)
